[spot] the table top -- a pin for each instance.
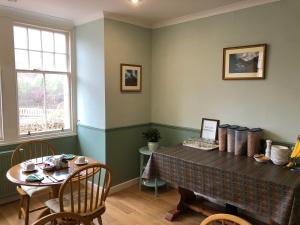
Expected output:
(145, 151)
(16, 175)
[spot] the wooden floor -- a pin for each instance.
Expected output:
(127, 207)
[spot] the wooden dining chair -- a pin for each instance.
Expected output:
(224, 219)
(64, 218)
(31, 150)
(84, 192)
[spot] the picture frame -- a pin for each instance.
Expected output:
(244, 62)
(130, 78)
(209, 129)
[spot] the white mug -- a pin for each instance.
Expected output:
(81, 159)
(29, 166)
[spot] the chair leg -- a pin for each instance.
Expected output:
(99, 220)
(21, 205)
(27, 210)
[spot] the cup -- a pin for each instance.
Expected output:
(81, 159)
(29, 166)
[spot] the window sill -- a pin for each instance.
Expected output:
(22, 139)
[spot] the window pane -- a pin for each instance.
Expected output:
(48, 61)
(21, 59)
(20, 37)
(60, 43)
(35, 60)
(61, 62)
(57, 102)
(48, 41)
(34, 39)
(31, 102)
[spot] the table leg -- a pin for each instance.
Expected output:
(155, 187)
(55, 191)
(185, 197)
(141, 170)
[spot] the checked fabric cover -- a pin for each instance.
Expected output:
(264, 189)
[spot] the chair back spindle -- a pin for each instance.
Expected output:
(37, 150)
(87, 189)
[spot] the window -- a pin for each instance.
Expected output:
(43, 80)
(1, 120)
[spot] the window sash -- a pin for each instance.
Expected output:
(1, 111)
(54, 131)
(67, 44)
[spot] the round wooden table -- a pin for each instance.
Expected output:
(16, 175)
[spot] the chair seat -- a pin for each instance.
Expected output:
(31, 190)
(53, 204)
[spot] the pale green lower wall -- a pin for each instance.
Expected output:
(172, 135)
(62, 145)
(122, 152)
(91, 142)
(118, 148)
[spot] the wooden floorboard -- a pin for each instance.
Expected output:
(127, 207)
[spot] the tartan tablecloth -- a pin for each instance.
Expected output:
(261, 188)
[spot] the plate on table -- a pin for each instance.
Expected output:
(261, 158)
(81, 163)
(34, 178)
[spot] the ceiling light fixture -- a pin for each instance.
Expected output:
(135, 1)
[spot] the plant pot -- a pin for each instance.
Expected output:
(152, 146)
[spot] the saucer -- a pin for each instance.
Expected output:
(261, 158)
(28, 171)
(81, 163)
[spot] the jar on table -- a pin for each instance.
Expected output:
(222, 131)
(231, 138)
(241, 136)
(254, 141)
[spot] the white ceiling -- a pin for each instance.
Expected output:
(148, 13)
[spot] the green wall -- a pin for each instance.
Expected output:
(90, 74)
(122, 155)
(129, 44)
(91, 142)
(187, 80)
(173, 135)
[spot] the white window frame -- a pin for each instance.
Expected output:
(62, 132)
(1, 111)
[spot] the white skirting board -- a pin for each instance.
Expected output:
(124, 185)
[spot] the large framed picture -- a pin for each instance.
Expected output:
(131, 78)
(209, 129)
(244, 62)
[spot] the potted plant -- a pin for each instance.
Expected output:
(152, 136)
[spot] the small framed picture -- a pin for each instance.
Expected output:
(131, 78)
(209, 129)
(244, 62)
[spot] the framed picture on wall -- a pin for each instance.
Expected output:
(209, 129)
(244, 62)
(131, 78)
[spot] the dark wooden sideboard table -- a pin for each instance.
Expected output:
(263, 189)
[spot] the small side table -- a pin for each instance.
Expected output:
(153, 183)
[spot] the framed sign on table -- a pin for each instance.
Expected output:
(131, 78)
(244, 62)
(209, 129)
